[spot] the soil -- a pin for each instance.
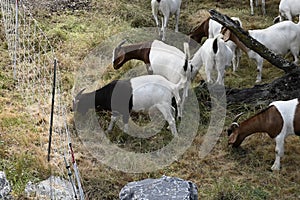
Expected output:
(58, 5)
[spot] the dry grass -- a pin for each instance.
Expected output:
(225, 173)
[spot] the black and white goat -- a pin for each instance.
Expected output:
(214, 54)
(280, 119)
(168, 8)
(210, 28)
(139, 94)
(160, 58)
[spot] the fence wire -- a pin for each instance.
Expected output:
(32, 67)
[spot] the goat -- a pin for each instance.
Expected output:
(263, 6)
(213, 54)
(142, 93)
(210, 28)
(160, 58)
(287, 10)
(215, 29)
(279, 120)
(200, 30)
(280, 38)
(168, 8)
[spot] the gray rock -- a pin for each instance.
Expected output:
(160, 189)
(52, 188)
(5, 188)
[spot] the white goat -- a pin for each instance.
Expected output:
(279, 120)
(160, 58)
(138, 94)
(168, 8)
(287, 10)
(215, 29)
(213, 54)
(280, 38)
(263, 6)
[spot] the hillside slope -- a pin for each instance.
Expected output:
(77, 27)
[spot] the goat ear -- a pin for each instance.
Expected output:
(229, 131)
(232, 138)
(232, 127)
(118, 59)
(276, 20)
(226, 34)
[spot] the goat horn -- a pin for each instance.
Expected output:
(121, 43)
(79, 93)
(237, 117)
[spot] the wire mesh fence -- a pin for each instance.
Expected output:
(33, 60)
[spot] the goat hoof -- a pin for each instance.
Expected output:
(275, 168)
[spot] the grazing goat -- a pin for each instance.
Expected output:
(287, 10)
(137, 94)
(210, 28)
(168, 8)
(280, 119)
(280, 38)
(213, 54)
(160, 58)
(263, 6)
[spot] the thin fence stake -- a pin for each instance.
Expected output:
(52, 109)
(16, 41)
(70, 177)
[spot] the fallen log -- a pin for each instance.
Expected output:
(252, 43)
(283, 88)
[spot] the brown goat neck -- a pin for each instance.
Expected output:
(268, 121)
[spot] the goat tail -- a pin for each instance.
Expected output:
(216, 41)
(186, 48)
(177, 87)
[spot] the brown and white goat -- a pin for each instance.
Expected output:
(200, 31)
(160, 59)
(139, 51)
(280, 119)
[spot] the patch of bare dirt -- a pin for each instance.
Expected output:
(58, 5)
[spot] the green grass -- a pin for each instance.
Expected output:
(22, 168)
(226, 189)
(21, 156)
(224, 173)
